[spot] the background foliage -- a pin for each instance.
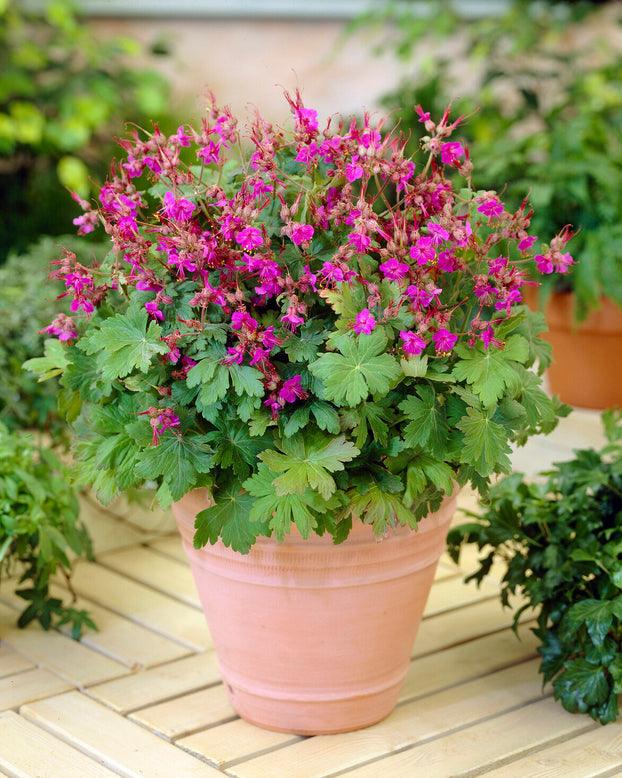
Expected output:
(64, 93)
(546, 105)
(28, 303)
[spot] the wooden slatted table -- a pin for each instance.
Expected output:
(142, 697)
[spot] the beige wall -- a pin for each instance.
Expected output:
(249, 61)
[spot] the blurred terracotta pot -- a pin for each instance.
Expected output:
(313, 638)
(587, 358)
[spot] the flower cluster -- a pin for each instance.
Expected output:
(298, 281)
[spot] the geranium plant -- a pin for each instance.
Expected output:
(310, 323)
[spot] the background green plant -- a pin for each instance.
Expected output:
(560, 542)
(64, 92)
(546, 115)
(40, 533)
(28, 304)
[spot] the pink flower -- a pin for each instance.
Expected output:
(292, 390)
(268, 338)
(393, 269)
(444, 340)
(240, 319)
(161, 419)
(491, 208)
(487, 337)
(438, 233)
(236, 355)
(451, 152)
(249, 238)
(360, 242)
(353, 171)
(291, 318)
(413, 344)
(177, 210)
(301, 233)
(63, 326)
(365, 322)
(544, 263)
(153, 310)
(423, 251)
(527, 242)
(259, 355)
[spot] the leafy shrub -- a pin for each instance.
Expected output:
(39, 529)
(62, 91)
(560, 541)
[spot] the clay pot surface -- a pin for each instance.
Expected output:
(311, 637)
(587, 358)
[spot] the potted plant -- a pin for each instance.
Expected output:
(325, 337)
(40, 530)
(559, 541)
(545, 90)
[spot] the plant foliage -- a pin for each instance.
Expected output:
(310, 323)
(561, 543)
(40, 532)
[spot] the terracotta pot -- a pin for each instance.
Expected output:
(313, 638)
(587, 358)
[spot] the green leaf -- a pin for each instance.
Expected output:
(581, 686)
(492, 371)
(125, 343)
(303, 346)
(428, 427)
(326, 417)
(297, 420)
(228, 520)
(308, 462)
(597, 615)
(280, 511)
(415, 367)
(52, 364)
(246, 380)
(485, 442)
(382, 510)
(424, 469)
(178, 459)
(235, 448)
(361, 368)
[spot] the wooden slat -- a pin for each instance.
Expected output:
(157, 684)
(454, 627)
(166, 575)
(170, 545)
(154, 610)
(11, 662)
(453, 593)
(467, 661)
(188, 713)
(73, 661)
(29, 686)
(110, 738)
(408, 724)
(480, 746)
(597, 753)
(233, 741)
(117, 636)
(30, 752)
